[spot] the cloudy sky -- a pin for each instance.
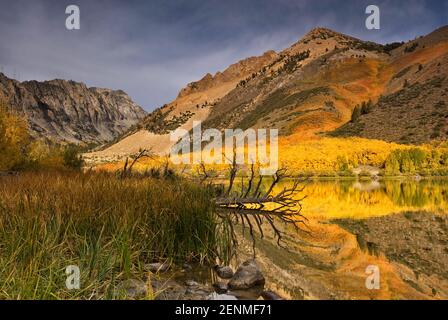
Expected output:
(153, 48)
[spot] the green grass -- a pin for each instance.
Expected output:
(108, 227)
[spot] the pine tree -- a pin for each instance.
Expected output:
(356, 114)
(366, 107)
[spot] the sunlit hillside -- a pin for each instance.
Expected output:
(342, 157)
(330, 154)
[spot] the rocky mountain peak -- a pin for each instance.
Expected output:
(69, 111)
(320, 32)
(233, 74)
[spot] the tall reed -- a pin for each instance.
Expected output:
(109, 227)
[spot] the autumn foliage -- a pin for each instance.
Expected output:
(14, 139)
(18, 151)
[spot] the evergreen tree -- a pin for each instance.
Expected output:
(356, 114)
(366, 107)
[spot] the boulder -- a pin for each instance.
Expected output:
(247, 275)
(224, 272)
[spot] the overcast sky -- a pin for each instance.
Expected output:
(152, 48)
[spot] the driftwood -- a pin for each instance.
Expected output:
(252, 205)
(256, 202)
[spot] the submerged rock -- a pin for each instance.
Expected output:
(224, 272)
(132, 288)
(168, 290)
(198, 292)
(247, 275)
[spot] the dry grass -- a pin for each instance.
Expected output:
(106, 226)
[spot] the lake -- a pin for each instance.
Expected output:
(397, 226)
(330, 199)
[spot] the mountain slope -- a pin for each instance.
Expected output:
(198, 99)
(193, 103)
(310, 88)
(414, 106)
(68, 111)
(306, 91)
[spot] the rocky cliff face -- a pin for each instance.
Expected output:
(69, 111)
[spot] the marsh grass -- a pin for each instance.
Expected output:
(109, 227)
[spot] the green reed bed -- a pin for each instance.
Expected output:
(109, 227)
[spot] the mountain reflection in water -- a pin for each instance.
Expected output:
(331, 199)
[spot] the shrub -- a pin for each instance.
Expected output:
(72, 158)
(392, 165)
(406, 161)
(366, 107)
(411, 48)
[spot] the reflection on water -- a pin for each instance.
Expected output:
(330, 261)
(362, 199)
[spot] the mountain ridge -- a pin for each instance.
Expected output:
(306, 90)
(70, 112)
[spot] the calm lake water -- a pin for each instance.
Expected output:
(362, 199)
(329, 262)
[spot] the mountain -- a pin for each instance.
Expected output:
(194, 103)
(308, 90)
(69, 111)
(414, 106)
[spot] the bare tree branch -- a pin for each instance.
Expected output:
(142, 153)
(251, 207)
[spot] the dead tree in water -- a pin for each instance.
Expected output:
(251, 205)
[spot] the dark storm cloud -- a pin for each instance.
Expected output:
(151, 49)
